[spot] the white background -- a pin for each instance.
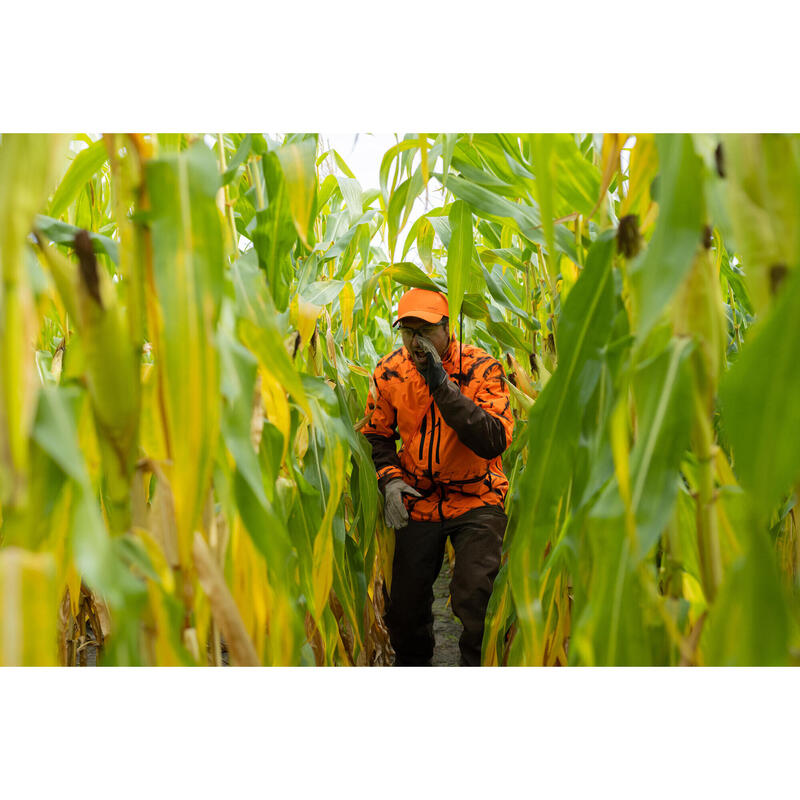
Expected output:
(357, 66)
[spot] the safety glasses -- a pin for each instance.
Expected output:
(423, 330)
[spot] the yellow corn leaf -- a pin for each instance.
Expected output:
(223, 607)
(63, 272)
(28, 609)
(506, 237)
(111, 369)
(161, 518)
(322, 559)
(641, 171)
(620, 449)
(301, 440)
(359, 370)
(157, 558)
(185, 289)
(202, 618)
(139, 505)
(250, 586)
(58, 541)
(282, 644)
(525, 401)
(242, 573)
(347, 299)
(724, 470)
(544, 373)
(151, 432)
(304, 316)
(260, 600)
(87, 436)
(423, 152)
(385, 554)
(27, 167)
(529, 608)
(163, 650)
(692, 590)
(569, 271)
(276, 405)
(699, 313)
(73, 582)
(191, 643)
(494, 625)
(649, 217)
(612, 147)
(732, 546)
(330, 345)
(298, 162)
(524, 383)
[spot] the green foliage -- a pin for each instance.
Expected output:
(209, 380)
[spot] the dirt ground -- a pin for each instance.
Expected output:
(446, 628)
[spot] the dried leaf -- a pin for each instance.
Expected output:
(223, 607)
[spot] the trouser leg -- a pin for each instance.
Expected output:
(418, 555)
(477, 538)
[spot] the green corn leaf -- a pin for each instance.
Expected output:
(299, 169)
(408, 274)
(486, 203)
(662, 390)
(762, 189)
(82, 169)
(448, 146)
(749, 624)
(386, 163)
(658, 273)
(425, 243)
(64, 233)
(55, 431)
(543, 157)
(188, 261)
(759, 407)
(239, 157)
(554, 431)
(351, 191)
(321, 293)
(259, 329)
(577, 180)
(27, 164)
(459, 255)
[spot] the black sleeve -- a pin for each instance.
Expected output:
(475, 427)
(384, 454)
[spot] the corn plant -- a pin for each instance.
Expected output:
(189, 325)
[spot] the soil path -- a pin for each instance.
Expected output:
(446, 628)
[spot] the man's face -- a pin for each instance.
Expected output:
(413, 327)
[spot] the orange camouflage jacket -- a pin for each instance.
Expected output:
(451, 441)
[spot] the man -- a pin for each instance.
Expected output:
(450, 407)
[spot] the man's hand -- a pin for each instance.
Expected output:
(394, 510)
(433, 371)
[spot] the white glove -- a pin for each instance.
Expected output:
(394, 510)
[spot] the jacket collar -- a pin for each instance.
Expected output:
(450, 357)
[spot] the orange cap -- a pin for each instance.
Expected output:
(422, 303)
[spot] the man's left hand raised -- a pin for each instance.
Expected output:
(433, 371)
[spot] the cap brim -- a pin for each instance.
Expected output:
(428, 316)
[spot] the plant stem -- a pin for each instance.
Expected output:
(707, 532)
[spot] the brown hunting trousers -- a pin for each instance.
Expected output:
(477, 538)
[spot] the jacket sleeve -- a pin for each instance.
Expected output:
(485, 425)
(381, 432)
